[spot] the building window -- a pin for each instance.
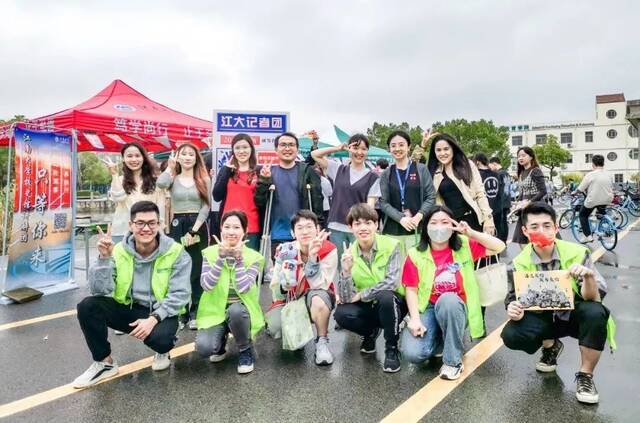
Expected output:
(612, 133)
(541, 139)
(618, 178)
(588, 157)
(612, 156)
(566, 138)
(633, 132)
(633, 154)
(611, 113)
(588, 136)
(570, 159)
(516, 140)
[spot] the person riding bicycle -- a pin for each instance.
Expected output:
(597, 186)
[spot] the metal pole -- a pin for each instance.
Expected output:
(73, 187)
(5, 220)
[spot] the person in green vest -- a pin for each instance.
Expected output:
(138, 286)
(230, 303)
(589, 321)
(441, 290)
(371, 299)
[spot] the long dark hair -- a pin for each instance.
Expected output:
(253, 160)
(200, 175)
(455, 243)
(530, 153)
(147, 171)
(459, 162)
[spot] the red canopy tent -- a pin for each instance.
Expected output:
(119, 114)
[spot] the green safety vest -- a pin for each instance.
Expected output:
(213, 304)
(365, 276)
(423, 260)
(570, 253)
(160, 274)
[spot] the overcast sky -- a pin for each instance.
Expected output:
(345, 62)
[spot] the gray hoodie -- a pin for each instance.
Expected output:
(102, 277)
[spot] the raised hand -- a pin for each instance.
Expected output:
(316, 243)
(265, 172)
(347, 258)
(105, 243)
(461, 227)
(112, 166)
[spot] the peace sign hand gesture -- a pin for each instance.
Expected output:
(347, 259)
(113, 167)
(105, 243)
(461, 227)
(265, 172)
(316, 243)
(171, 161)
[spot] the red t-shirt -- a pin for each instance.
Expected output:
(240, 197)
(447, 277)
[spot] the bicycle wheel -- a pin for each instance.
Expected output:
(618, 218)
(565, 218)
(576, 230)
(607, 233)
(633, 209)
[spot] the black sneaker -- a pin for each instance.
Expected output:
(245, 361)
(586, 391)
(549, 359)
(368, 345)
(391, 360)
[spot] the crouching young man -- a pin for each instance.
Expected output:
(589, 321)
(371, 297)
(138, 286)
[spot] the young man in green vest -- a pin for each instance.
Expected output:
(371, 298)
(589, 321)
(138, 286)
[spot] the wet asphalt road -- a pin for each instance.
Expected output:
(287, 386)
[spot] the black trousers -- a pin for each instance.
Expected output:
(584, 214)
(180, 225)
(502, 226)
(96, 314)
(364, 318)
(587, 323)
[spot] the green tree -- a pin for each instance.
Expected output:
(378, 133)
(478, 136)
(4, 152)
(91, 171)
(551, 154)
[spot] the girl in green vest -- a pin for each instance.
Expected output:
(230, 299)
(441, 290)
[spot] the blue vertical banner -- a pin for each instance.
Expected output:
(41, 248)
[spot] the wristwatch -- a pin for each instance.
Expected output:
(156, 316)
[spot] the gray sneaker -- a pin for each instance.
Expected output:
(95, 373)
(323, 353)
(451, 372)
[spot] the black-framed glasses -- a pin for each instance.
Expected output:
(140, 224)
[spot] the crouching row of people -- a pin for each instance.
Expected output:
(141, 285)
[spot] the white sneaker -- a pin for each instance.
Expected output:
(323, 353)
(451, 372)
(95, 373)
(216, 358)
(161, 362)
(192, 324)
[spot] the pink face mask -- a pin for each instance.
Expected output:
(541, 240)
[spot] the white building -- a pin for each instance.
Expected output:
(610, 135)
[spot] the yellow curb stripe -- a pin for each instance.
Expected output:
(36, 400)
(40, 319)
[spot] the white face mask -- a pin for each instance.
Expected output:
(439, 233)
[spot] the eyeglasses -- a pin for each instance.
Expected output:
(284, 145)
(140, 224)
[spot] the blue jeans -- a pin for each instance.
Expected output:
(445, 322)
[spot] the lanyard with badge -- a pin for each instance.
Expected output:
(403, 188)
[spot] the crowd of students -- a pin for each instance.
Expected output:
(395, 255)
